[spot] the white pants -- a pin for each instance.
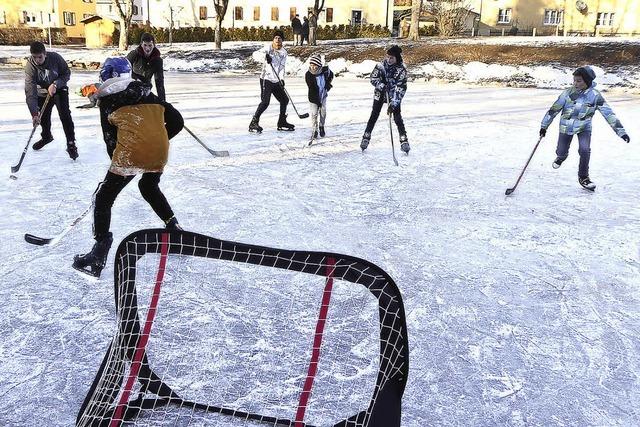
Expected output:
(318, 115)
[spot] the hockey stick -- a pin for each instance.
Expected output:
(393, 148)
(41, 241)
(512, 189)
(16, 168)
(300, 116)
(214, 153)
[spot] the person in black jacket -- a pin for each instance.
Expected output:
(47, 73)
(147, 62)
(318, 80)
(296, 26)
(305, 30)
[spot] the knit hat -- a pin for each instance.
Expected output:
(395, 50)
(587, 74)
(315, 59)
(279, 33)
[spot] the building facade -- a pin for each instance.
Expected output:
(269, 13)
(565, 17)
(48, 13)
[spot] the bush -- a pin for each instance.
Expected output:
(207, 34)
(24, 36)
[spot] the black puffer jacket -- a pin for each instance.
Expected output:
(144, 68)
(312, 84)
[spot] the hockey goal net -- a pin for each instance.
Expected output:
(218, 333)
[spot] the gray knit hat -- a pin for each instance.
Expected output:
(315, 59)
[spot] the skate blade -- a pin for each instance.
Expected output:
(86, 274)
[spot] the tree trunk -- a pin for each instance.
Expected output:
(218, 34)
(416, 9)
(123, 43)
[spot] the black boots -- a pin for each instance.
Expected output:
(93, 262)
(41, 143)
(322, 134)
(72, 150)
(587, 183)
(254, 126)
(365, 140)
(284, 125)
(404, 144)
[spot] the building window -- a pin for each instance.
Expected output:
(69, 18)
(275, 14)
(256, 13)
(3, 17)
(504, 16)
(110, 8)
(553, 17)
(203, 13)
(605, 19)
(28, 17)
(292, 13)
(356, 17)
(135, 9)
(237, 13)
(329, 14)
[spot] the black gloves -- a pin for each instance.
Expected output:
(390, 109)
(268, 57)
(281, 82)
(543, 132)
(626, 138)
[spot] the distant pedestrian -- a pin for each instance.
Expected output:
(305, 30)
(47, 74)
(578, 104)
(296, 26)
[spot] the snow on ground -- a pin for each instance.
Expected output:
(233, 60)
(522, 310)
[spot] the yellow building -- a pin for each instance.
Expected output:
(570, 17)
(48, 13)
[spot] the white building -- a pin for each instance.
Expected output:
(266, 13)
(106, 9)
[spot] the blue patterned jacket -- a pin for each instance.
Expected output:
(393, 78)
(578, 107)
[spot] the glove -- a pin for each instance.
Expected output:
(626, 138)
(281, 82)
(268, 58)
(390, 109)
(35, 119)
(543, 132)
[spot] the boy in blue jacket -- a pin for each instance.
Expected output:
(578, 104)
(318, 80)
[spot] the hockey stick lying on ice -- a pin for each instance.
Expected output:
(41, 241)
(512, 189)
(16, 168)
(300, 116)
(212, 152)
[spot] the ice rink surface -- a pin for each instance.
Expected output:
(522, 310)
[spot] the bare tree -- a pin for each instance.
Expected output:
(449, 15)
(221, 10)
(318, 5)
(416, 11)
(125, 14)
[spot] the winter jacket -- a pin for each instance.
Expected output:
(144, 68)
(278, 60)
(143, 143)
(123, 91)
(305, 28)
(389, 78)
(296, 26)
(312, 83)
(54, 69)
(578, 107)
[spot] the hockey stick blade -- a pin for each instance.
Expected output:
(303, 116)
(509, 191)
(35, 240)
(223, 153)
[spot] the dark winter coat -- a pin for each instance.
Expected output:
(54, 69)
(296, 26)
(144, 68)
(305, 28)
(312, 84)
(391, 79)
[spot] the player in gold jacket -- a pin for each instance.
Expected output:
(136, 127)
